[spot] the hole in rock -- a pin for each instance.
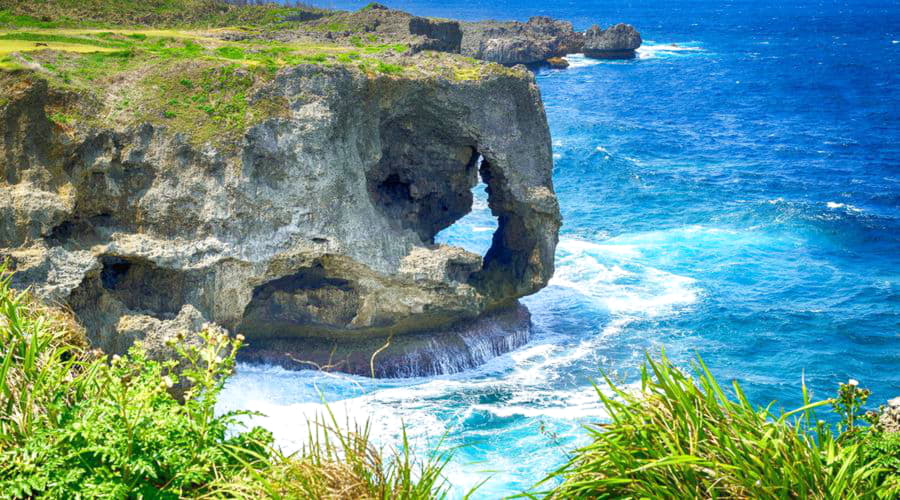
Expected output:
(424, 187)
(308, 300)
(474, 231)
(142, 286)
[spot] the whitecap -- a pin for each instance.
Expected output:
(614, 278)
(581, 61)
(850, 208)
(651, 50)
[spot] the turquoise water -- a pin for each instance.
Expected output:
(733, 192)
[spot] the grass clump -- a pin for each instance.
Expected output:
(683, 437)
(74, 422)
(209, 101)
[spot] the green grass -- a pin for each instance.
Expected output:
(388, 69)
(184, 13)
(72, 420)
(55, 38)
(684, 437)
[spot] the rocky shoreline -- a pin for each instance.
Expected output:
(509, 43)
(545, 40)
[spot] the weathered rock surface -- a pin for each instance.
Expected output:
(520, 43)
(447, 351)
(320, 224)
(616, 42)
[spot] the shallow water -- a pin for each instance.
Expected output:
(733, 192)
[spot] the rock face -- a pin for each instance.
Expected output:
(316, 229)
(617, 42)
(519, 43)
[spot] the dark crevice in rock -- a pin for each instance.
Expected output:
(423, 183)
(128, 287)
(307, 301)
(142, 286)
(83, 231)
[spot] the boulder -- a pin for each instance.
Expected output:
(558, 62)
(617, 42)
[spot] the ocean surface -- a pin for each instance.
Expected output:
(734, 192)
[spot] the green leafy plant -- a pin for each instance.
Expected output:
(683, 437)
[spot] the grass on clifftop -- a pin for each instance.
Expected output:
(684, 437)
(132, 62)
(72, 421)
(182, 13)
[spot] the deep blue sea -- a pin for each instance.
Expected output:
(734, 192)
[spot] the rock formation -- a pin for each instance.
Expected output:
(617, 42)
(558, 62)
(316, 228)
(520, 43)
(372, 23)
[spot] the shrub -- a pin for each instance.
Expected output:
(683, 437)
(389, 69)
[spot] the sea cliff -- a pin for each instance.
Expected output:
(174, 181)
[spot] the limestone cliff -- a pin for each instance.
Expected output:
(316, 222)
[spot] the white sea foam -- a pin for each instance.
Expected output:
(650, 50)
(612, 275)
(581, 61)
(619, 274)
(850, 208)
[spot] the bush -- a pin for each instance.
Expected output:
(73, 421)
(683, 437)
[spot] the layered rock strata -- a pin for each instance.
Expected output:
(316, 228)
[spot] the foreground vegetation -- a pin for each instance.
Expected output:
(684, 437)
(74, 422)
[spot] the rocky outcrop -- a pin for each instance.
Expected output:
(316, 229)
(374, 24)
(520, 43)
(558, 62)
(616, 42)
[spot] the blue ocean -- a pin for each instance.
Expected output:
(734, 192)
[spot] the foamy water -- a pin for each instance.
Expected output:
(731, 193)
